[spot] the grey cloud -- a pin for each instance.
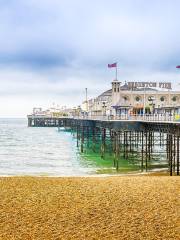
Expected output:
(92, 32)
(54, 49)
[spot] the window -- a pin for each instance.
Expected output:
(114, 89)
(125, 98)
(174, 99)
(162, 99)
(137, 99)
(151, 98)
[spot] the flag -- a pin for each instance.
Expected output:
(112, 65)
(178, 66)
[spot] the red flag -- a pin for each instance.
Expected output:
(112, 65)
(178, 66)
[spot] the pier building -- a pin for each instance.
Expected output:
(136, 99)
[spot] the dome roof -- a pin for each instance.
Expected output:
(107, 93)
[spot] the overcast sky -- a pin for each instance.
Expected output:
(50, 50)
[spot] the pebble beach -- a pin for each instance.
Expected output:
(119, 207)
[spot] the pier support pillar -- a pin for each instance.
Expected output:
(177, 164)
(142, 151)
(103, 142)
(82, 139)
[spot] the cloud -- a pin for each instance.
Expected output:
(51, 50)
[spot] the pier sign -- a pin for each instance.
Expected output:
(164, 85)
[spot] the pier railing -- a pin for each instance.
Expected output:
(146, 117)
(122, 117)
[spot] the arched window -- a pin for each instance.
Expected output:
(162, 99)
(125, 98)
(137, 98)
(174, 98)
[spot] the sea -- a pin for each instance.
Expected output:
(39, 151)
(50, 151)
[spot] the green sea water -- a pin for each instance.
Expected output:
(48, 152)
(109, 163)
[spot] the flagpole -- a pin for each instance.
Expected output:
(116, 71)
(114, 65)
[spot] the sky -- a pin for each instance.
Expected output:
(51, 50)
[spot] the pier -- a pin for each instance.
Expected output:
(123, 136)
